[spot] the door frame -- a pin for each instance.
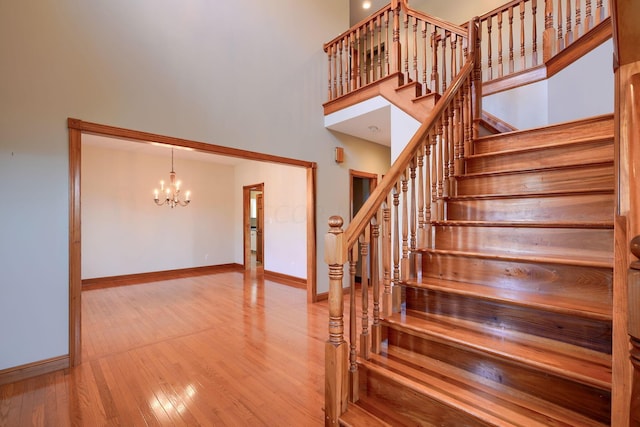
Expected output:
(246, 222)
(373, 183)
(77, 127)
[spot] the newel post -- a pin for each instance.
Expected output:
(336, 349)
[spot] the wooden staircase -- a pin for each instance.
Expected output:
(509, 321)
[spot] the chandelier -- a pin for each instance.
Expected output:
(171, 194)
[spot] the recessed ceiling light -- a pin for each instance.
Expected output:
(366, 4)
(374, 129)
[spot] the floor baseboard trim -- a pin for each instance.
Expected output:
(154, 276)
(22, 372)
(285, 279)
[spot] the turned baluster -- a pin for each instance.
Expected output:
(560, 42)
(404, 262)
(352, 61)
(467, 118)
(379, 32)
(534, 51)
(424, 57)
(500, 65)
(406, 47)
(357, 57)
(376, 328)
(386, 259)
(365, 338)
(396, 234)
(457, 139)
(511, 62)
(549, 34)
(489, 51)
(452, 148)
(336, 349)
(588, 19)
(434, 175)
(441, 166)
(396, 53)
(599, 11)
(568, 36)
(453, 66)
(435, 40)
(415, 50)
(413, 210)
(421, 226)
(387, 69)
(334, 73)
(444, 61)
(578, 19)
(330, 92)
(353, 329)
(523, 62)
(444, 144)
(372, 47)
(341, 89)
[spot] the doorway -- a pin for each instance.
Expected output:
(253, 226)
(361, 185)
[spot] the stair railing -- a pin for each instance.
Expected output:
(519, 36)
(396, 41)
(390, 227)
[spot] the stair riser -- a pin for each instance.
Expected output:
(600, 127)
(522, 240)
(582, 283)
(586, 400)
(555, 180)
(600, 151)
(588, 207)
(410, 408)
(588, 333)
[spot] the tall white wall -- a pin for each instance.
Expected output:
(247, 74)
(124, 232)
(285, 215)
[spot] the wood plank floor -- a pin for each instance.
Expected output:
(228, 349)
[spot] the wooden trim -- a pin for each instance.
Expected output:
(246, 229)
(514, 80)
(497, 124)
(312, 271)
(34, 369)
(75, 253)
(373, 183)
(146, 137)
(154, 276)
(285, 279)
(323, 296)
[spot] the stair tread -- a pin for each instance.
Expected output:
(546, 302)
(565, 360)
(356, 416)
(490, 401)
(542, 146)
(526, 223)
(558, 193)
(589, 261)
(535, 170)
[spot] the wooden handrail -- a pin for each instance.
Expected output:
(456, 29)
(360, 24)
(373, 203)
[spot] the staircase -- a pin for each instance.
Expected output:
(509, 322)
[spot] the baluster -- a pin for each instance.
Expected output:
(425, 85)
(444, 143)
(549, 35)
(452, 149)
(396, 248)
(413, 210)
(458, 136)
(336, 349)
(534, 52)
(404, 262)
(511, 63)
(341, 68)
(353, 329)
(387, 70)
(372, 31)
(380, 54)
(444, 61)
(560, 42)
(435, 40)
(427, 193)
(500, 65)
(376, 329)
(599, 12)
(395, 57)
(434, 175)
(415, 50)
(453, 67)
(523, 62)
(421, 227)
(568, 36)
(578, 19)
(352, 70)
(365, 338)
(406, 47)
(468, 118)
(489, 52)
(330, 92)
(588, 19)
(358, 56)
(334, 51)
(386, 259)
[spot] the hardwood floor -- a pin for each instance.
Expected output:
(227, 349)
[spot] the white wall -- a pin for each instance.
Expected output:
(124, 232)
(247, 74)
(285, 215)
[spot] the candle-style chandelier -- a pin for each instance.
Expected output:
(171, 193)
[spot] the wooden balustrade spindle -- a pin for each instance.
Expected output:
(334, 52)
(444, 143)
(452, 149)
(380, 55)
(336, 349)
(341, 89)
(404, 262)
(425, 84)
(489, 51)
(415, 50)
(578, 19)
(387, 69)
(396, 242)
(441, 162)
(413, 205)
(435, 40)
(599, 12)
(421, 219)
(453, 66)
(427, 193)
(523, 62)
(568, 35)
(386, 259)
(434, 175)
(500, 54)
(560, 42)
(549, 34)
(468, 118)
(447, 35)
(330, 92)
(365, 338)
(376, 327)
(534, 50)
(357, 59)
(406, 48)
(511, 62)
(372, 47)
(588, 19)
(395, 57)
(353, 329)
(352, 61)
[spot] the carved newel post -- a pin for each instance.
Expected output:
(634, 331)
(336, 349)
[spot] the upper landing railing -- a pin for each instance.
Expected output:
(518, 37)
